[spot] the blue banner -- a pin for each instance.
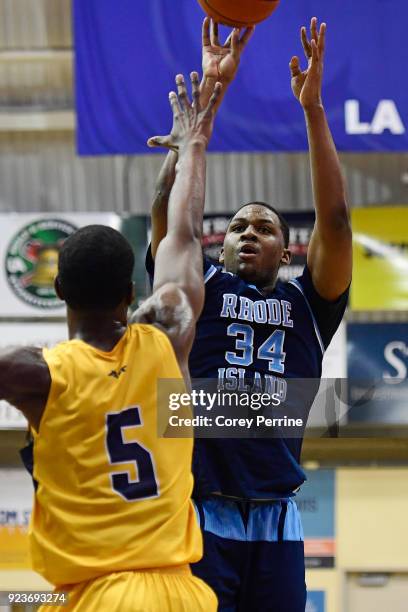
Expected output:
(128, 52)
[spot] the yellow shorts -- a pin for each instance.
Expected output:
(167, 590)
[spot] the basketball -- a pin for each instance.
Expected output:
(239, 13)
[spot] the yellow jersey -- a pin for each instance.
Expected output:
(112, 495)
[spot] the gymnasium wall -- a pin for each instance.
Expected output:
(371, 535)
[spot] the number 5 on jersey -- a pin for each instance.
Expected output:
(122, 452)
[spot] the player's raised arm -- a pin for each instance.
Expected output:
(25, 381)
(178, 288)
(330, 251)
(220, 63)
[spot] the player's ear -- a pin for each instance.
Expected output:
(286, 257)
(57, 288)
(221, 257)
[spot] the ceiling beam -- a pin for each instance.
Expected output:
(37, 121)
(36, 55)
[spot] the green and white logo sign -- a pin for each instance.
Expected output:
(32, 261)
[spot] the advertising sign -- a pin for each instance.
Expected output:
(316, 601)
(29, 247)
(378, 373)
(316, 504)
(380, 252)
(15, 508)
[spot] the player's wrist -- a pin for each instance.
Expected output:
(313, 108)
(210, 81)
(195, 143)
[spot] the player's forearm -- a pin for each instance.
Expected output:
(182, 244)
(179, 256)
(186, 204)
(165, 181)
(163, 188)
(327, 180)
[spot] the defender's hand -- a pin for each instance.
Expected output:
(307, 84)
(190, 121)
(221, 62)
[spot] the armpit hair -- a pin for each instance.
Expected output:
(167, 307)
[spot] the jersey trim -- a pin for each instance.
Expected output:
(299, 287)
(256, 289)
(210, 273)
(273, 522)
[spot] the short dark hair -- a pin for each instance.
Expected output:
(283, 223)
(95, 268)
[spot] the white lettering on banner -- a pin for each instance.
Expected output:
(395, 361)
(386, 117)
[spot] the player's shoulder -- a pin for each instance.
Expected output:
(24, 360)
(296, 286)
(304, 285)
(144, 329)
(149, 331)
(57, 351)
(291, 287)
(152, 333)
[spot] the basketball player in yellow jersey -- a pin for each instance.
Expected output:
(113, 524)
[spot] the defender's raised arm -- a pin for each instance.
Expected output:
(178, 285)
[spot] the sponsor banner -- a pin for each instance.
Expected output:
(19, 334)
(380, 250)
(316, 504)
(378, 373)
(15, 508)
(29, 246)
(316, 601)
(300, 225)
(214, 230)
(259, 112)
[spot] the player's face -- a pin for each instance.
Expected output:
(254, 245)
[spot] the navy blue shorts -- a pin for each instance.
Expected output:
(253, 555)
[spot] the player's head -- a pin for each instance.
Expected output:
(95, 269)
(256, 243)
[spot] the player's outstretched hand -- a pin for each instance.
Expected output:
(307, 84)
(190, 121)
(221, 62)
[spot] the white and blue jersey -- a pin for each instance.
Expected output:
(244, 335)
